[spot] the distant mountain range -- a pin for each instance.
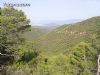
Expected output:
(55, 22)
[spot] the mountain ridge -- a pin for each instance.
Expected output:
(66, 36)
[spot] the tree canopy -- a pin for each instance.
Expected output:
(12, 24)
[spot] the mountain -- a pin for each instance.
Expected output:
(64, 37)
(37, 32)
(45, 26)
(55, 22)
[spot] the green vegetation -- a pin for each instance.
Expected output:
(66, 50)
(63, 38)
(35, 33)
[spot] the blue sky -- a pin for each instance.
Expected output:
(58, 9)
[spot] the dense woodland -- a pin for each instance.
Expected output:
(66, 50)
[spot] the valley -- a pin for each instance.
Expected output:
(68, 49)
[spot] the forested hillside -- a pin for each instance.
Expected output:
(66, 36)
(35, 33)
(67, 50)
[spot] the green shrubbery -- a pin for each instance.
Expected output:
(68, 57)
(80, 60)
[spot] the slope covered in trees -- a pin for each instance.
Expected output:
(36, 32)
(66, 36)
(68, 50)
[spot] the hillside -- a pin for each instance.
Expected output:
(35, 33)
(67, 50)
(64, 37)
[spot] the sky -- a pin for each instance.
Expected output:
(58, 9)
